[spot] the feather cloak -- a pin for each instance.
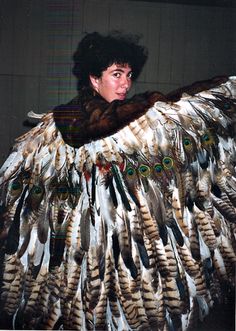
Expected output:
(123, 219)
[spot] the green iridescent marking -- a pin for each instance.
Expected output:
(144, 170)
(16, 185)
(130, 171)
(187, 142)
(226, 106)
(206, 137)
(158, 168)
(167, 162)
(63, 192)
(37, 190)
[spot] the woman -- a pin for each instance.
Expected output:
(94, 238)
(105, 67)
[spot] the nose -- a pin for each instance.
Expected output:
(125, 82)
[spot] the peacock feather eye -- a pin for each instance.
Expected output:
(227, 106)
(144, 170)
(16, 185)
(187, 144)
(62, 192)
(37, 190)
(16, 188)
(167, 162)
(207, 138)
(130, 171)
(158, 168)
(35, 197)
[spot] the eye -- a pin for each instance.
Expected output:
(144, 170)
(16, 185)
(188, 146)
(62, 192)
(130, 171)
(207, 138)
(130, 74)
(37, 190)
(167, 162)
(227, 106)
(35, 197)
(117, 74)
(158, 168)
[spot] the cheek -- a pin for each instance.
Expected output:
(111, 88)
(107, 85)
(112, 84)
(108, 89)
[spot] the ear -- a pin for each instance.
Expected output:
(94, 82)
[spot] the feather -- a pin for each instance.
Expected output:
(76, 316)
(176, 231)
(12, 290)
(149, 224)
(149, 302)
(157, 209)
(172, 257)
(84, 229)
(203, 221)
(172, 297)
(57, 245)
(93, 195)
(120, 187)
(52, 317)
(93, 280)
(124, 240)
(111, 286)
(73, 281)
(191, 266)
(153, 267)
(228, 254)
(161, 258)
(101, 322)
(43, 224)
(23, 247)
(161, 308)
(13, 234)
(125, 298)
(178, 213)
(224, 206)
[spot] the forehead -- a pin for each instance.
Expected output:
(125, 67)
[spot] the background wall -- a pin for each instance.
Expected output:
(37, 39)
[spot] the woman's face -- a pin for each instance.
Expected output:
(114, 83)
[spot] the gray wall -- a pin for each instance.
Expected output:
(38, 37)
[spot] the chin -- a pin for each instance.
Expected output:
(121, 97)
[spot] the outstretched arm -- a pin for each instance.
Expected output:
(196, 87)
(95, 119)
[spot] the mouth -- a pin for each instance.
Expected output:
(121, 96)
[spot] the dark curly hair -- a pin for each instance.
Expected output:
(95, 53)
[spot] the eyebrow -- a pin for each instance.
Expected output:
(121, 70)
